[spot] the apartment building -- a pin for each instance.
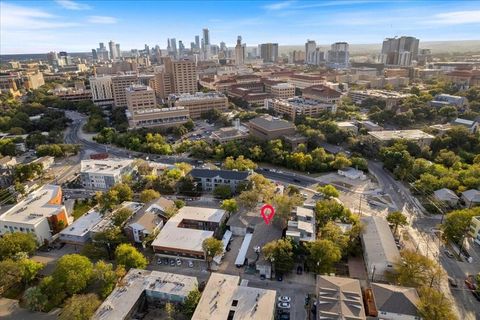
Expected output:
(119, 84)
(283, 90)
(40, 213)
(102, 91)
(391, 98)
(302, 226)
(104, 174)
(208, 179)
(299, 106)
(199, 103)
(270, 128)
(184, 77)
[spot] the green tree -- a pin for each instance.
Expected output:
(330, 231)
(120, 216)
(434, 305)
(328, 191)
(222, 192)
(240, 164)
(191, 302)
(106, 277)
(80, 307)
(125, 193)
(29, 269)
(397, 219)
(170, 310)
(109, 239)
(149, 195)
(35, 299)
(416, 270)
(13, 243)
(457, 224)
(248, 199)
(73, 273)
(280, 254)
(129, 257)
(230, 206)
(284, 205)
(448, 112)
(323, 254)
(331, 210)
(211, 248)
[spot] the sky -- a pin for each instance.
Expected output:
(78, 26)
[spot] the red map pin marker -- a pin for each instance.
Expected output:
(267, 212)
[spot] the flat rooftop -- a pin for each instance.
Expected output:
(200, 96)
(173, 236)
(108, 166)
(382, 93)
(387, 135)
(271, 123)
(84, 224)
(223, 295)
(36, 206)
(379, 243)
(300, 103)
(123, 299)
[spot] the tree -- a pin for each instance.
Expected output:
(109, 239)
(448, 112)
(322, 255)
(120, 216)
(13, 243)
(248, 199)
(283, 207)
(457, 224)
(211, 248)
(124, 192)
(280, 254)
(29, 269)
(328, 191)
(80, 307)
(149, 195)
(191, 302)
(334, 233)
(106, 277)
(416, 270)
(73, 273)
(129, 257)
(434, 305)
(397, 219)
(230, 206)
(222, 192)
(331, 210)
(240, 164)
(35, 299)
(9, 275)
(170, 310)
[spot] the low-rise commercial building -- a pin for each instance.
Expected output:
(143, 287)
(379, 249)
(370, 126)
(443, 99)
(40, 213)
(417, 136)
(339, 298)
(79, 232)
(348, 126)
(391, 98)
(224, 298)
(104, 174)
(322, 93)
(185, 232)
(46, 162)
(299, 106)
(162, 118)
(209, 179)
(270, 128)
(200, 103)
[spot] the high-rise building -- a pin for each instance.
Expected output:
(147, 50)
(101, 87)
(119, 84)
(239, 52)
(399, 51)
(310, 47)
(113, 50)
(173, 47)
(102, 52)
(206, 36)
(94, 55)
(117, 49)
(197, 42)
(184, 76)
(338, 56)
(181, 48)
(269, 52)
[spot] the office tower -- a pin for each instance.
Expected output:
(181, 48)
(101, 87)
(399, 51)
(206, 36)
(140, 97)
(338, 56)
(317, 57)
(184, 76)
(113, 50)
(173, 47)
(197, 42)
(269, 52)
(147, 50)
(94, 55)
(102, 52)
(52, 58)
(117, 48)
(239, 52)
(298, 56)
(192, 46)
(310, 47)
(119, 84)
(64, 59)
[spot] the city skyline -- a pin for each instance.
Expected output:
(77, 26)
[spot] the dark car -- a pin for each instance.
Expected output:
(279, 277)
(299, 270)
(452, 282)
(262, 277)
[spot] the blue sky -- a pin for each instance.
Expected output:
(72, 25)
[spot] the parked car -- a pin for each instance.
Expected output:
(172, 263)
(159, 261)
(448, 254)
(284, 316)
(190, 264)
(283, 305)
(452, 282)
(284, 299)
(262, 277)
(279, 277)
(179, 262)
(165, 261)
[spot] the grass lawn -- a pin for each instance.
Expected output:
(80, 208)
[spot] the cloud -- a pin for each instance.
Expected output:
(278, 5)
(102, 20)
(15, 18)
(72, 5)
(456, 17)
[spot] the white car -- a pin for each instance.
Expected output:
(283, 305)
(179, 262)
(284, 299)
(190, 264)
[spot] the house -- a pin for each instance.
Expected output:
(395, 303)
(442, 100)
(471, 125)
(225, 298)
(242, 223)
(41, 213)
(184, 233)
(447, 196)
(475, 229)
(339, 298)
(262, 234)
(379, 249)
(141, 287)
(148, 220)
(471, 198)
(209, 179)
(302, 226)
